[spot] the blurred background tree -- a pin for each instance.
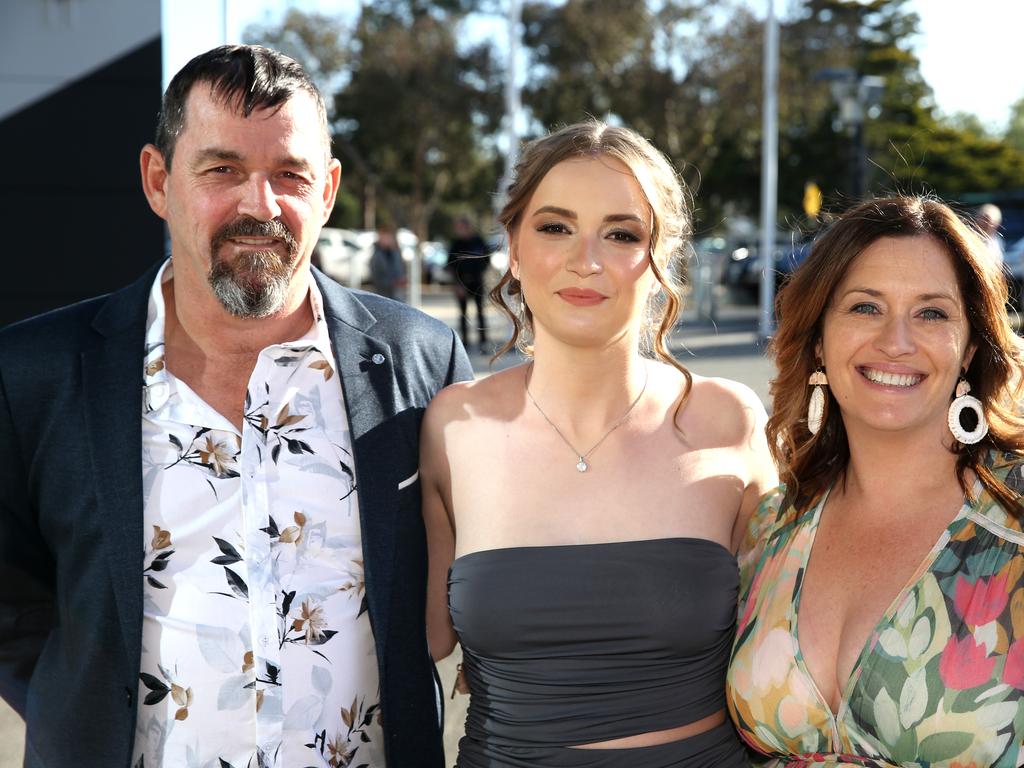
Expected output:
(417, 102)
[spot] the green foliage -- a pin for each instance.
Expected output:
(417, 107)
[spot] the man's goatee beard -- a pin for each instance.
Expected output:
(255, 284)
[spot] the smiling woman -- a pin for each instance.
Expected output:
(882, 599)
(582, 509)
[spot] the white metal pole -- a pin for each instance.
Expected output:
(769, 171)
(513, 98)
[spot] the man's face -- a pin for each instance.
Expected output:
(244, 200)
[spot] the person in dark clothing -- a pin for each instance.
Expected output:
(468, 261)
(386, 265)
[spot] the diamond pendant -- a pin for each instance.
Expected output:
(581, 465)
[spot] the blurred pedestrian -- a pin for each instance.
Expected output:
(468, 259)
(386, 266)
(989, 219)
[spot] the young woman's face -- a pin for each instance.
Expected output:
(896, 336)
(581, 251)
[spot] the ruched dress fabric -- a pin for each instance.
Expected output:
(940, 681)
(583, 643)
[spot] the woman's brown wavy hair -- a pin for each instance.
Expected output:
(668, 200)
(811, 463)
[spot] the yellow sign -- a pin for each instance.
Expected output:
(812, 199)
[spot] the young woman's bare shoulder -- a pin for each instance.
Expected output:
(722, 411)
(483, 398)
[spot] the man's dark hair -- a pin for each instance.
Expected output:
(246, 77)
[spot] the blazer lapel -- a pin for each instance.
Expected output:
(368, 382)
(112, 382)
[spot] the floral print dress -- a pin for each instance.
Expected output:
(940, 681)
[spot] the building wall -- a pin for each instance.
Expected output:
(80, 85)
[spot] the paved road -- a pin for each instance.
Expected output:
(728, 348)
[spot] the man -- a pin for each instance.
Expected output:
(989, 219)
(211, 548)
(468, 261)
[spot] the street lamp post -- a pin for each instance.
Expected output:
(858, 97)
(769, 171)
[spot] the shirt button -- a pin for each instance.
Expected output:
(264, 641)
(378, 358)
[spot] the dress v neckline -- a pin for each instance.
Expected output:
(884, 620)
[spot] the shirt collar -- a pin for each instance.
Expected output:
(159, 383)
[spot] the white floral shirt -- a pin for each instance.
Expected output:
(256, 644)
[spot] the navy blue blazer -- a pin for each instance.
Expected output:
(71, 528)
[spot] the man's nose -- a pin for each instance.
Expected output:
(258, 199)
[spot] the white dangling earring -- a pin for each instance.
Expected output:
(816, 407)
(965, 402)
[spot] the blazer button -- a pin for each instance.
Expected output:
(128, 696)
(377, 359)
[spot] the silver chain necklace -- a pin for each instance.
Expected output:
(581, 464)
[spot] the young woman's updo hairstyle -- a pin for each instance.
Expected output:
(665, 195)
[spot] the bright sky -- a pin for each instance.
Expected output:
(969, 51)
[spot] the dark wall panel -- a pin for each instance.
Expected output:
(76, 220)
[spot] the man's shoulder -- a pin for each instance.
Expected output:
(55, 329)
(389, 318)
(68, 329)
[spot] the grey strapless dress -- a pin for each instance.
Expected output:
(576, 644)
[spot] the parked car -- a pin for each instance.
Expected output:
(1013, 267)
(742, 271)
(337, 250)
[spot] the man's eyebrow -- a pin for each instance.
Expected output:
(230, 155)
(214, 153)
(296, 162)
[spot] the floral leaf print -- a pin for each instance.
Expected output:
(161, 538)
(311, 625)
(158, 690)
(324, 367)
(271, 529)
(293, 533)
(215, 455)
(237, 584)
(183, 698)
(155, 366)
(230, 556)
(286, 603)
(286, 419)
(340, 751)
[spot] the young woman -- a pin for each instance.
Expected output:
(582, 510)
(882, 614)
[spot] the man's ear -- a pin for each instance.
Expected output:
(331, 186)
(154, 179)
